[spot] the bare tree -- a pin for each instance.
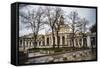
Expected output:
(83, 23)
(34, 21)
(52, 18)
(73, 22)
(59, 21)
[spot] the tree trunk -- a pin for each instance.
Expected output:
(34, 42)
(53, 38)
(73, 39)
(57, 39)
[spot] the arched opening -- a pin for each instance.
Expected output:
(76, 41)
(58, 40)
(71, 43)
(39, 43)
(20, 42)
(30, 43)
(54, 40)
(80, 41)
(85, 42)
(47, 41)
(63, 40)
(43, 43)
(26, 43)
(93, 42)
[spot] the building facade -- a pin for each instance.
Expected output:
(64, 40)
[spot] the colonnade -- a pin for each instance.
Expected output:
(64, 41)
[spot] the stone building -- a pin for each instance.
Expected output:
(64, 39)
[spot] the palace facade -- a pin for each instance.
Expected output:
(64, 39)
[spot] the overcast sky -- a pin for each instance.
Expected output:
(88, 13)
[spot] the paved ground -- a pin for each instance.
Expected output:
(61, 57)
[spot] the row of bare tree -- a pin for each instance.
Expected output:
(52, 16)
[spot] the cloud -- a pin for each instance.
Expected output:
(88, 13)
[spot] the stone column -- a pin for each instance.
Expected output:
(65, 39)
(23, 45)
(28, 44)
(78, 41)
(88, 42)
(61, 40)
(31, 44)
(41, 43)
(45, 40)
(38, 44)
(69, 43)
(75, 42)
(82, 43)
(56, 40)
